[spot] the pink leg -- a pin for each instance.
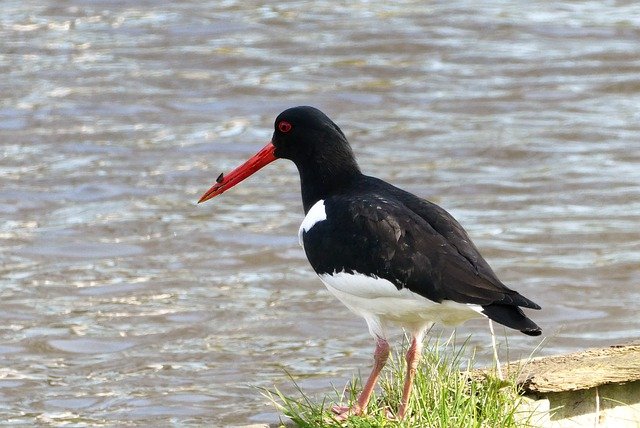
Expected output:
(413, 357)
(380, 356)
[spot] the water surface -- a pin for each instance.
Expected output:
(123, 303)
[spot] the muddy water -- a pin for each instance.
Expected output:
(124, 303)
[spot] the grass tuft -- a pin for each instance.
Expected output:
(445, 395)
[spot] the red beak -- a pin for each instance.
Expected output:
(226, 182)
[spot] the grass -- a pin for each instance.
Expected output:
(444, 395)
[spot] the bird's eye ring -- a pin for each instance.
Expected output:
(284, 126)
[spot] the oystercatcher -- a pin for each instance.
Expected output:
(388, 255)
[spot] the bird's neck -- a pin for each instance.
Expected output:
(326, 180)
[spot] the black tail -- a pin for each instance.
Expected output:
(512, 317)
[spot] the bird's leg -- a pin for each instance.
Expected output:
(380, 356)
(495, 350)
(413, 358)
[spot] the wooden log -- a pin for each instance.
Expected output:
(580, 370)
(595, 388)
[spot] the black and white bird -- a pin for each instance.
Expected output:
(388, 255)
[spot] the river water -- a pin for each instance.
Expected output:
(123, 303)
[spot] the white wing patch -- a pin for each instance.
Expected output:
(316, 214)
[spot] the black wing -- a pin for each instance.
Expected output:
(414, 244)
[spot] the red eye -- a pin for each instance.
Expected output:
(284, 126)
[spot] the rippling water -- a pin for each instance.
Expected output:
(123, 303)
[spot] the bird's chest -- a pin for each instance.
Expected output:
(330, 243)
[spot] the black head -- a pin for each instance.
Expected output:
(304, 133)
(313, 142)
(319, 149)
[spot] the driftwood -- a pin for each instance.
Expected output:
(580, 370)
(593, 388)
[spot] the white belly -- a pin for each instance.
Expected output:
(379, 302)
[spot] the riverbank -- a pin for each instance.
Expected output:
(593, 388)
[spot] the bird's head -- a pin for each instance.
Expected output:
(302, 134)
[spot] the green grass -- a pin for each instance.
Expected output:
(444, 395)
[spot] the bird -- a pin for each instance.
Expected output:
(389, 256)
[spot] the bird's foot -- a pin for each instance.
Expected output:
(343, 412)
(390, 415)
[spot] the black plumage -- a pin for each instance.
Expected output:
(426, 250)
(387, 254)
(377, 229)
